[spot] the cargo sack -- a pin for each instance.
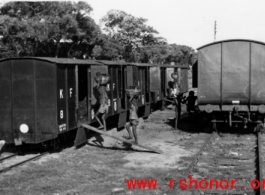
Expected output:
(103, 79)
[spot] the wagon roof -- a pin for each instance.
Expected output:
(231, 40)
(124, 63)
(141, 64)
(58, 60)
(161, 65)
(173, 66)
(111, 62)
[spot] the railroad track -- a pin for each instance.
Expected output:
(7, 157)
(9, 162)
(225, 165)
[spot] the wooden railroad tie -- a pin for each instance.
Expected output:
(121, 139)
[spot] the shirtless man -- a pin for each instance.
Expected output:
(104, 108)
(134, 120)
(191, 101)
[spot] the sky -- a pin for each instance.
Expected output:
(191, 22)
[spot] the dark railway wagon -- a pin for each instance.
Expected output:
(166, 78)
(231, 80)
(119, 80)
(155, 81)
(39, 97)
(140, 76)
(43, 98)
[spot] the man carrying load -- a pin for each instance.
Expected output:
(133, 93)
(102, 80)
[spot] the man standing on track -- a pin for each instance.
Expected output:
(175, 93)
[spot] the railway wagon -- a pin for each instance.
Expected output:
(230, 81)
(39, 97)
(43, 98)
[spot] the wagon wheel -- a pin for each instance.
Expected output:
(55, 143)
(214, 126)
(261, 127)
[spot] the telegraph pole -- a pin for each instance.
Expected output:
(215, 25)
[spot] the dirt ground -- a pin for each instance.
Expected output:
(103, 165)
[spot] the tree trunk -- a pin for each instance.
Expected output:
(68, 53)
(57, 49)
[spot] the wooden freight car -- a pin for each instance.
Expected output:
(230, 80)
(43, 98)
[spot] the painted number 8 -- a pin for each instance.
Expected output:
(61, 114)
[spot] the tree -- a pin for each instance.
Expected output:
(180, 54)
(47, 29)
(139, 41)
(155, 52)
(131, 32)
(65, 29)
(107, 49)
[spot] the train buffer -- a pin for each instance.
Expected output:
(82, 134)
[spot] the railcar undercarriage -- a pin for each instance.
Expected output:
(238, 119)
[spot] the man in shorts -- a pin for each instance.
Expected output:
(175, 94)
(104, 108)
(134, 120)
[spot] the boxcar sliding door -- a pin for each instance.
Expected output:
(121, 88)
(113, 93)
(155, 80)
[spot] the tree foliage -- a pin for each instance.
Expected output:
(140, 42)
(58, 29)
(180, 54)
(65, 29)
(108, 49)
(131, 32)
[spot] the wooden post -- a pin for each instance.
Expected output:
(176, 113)
(177, 110)
(163, 105)
(179, 106)
(120, 139)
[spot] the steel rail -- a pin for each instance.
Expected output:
(195, 160)
(7, 157)
(259, 162)
(23, 162)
